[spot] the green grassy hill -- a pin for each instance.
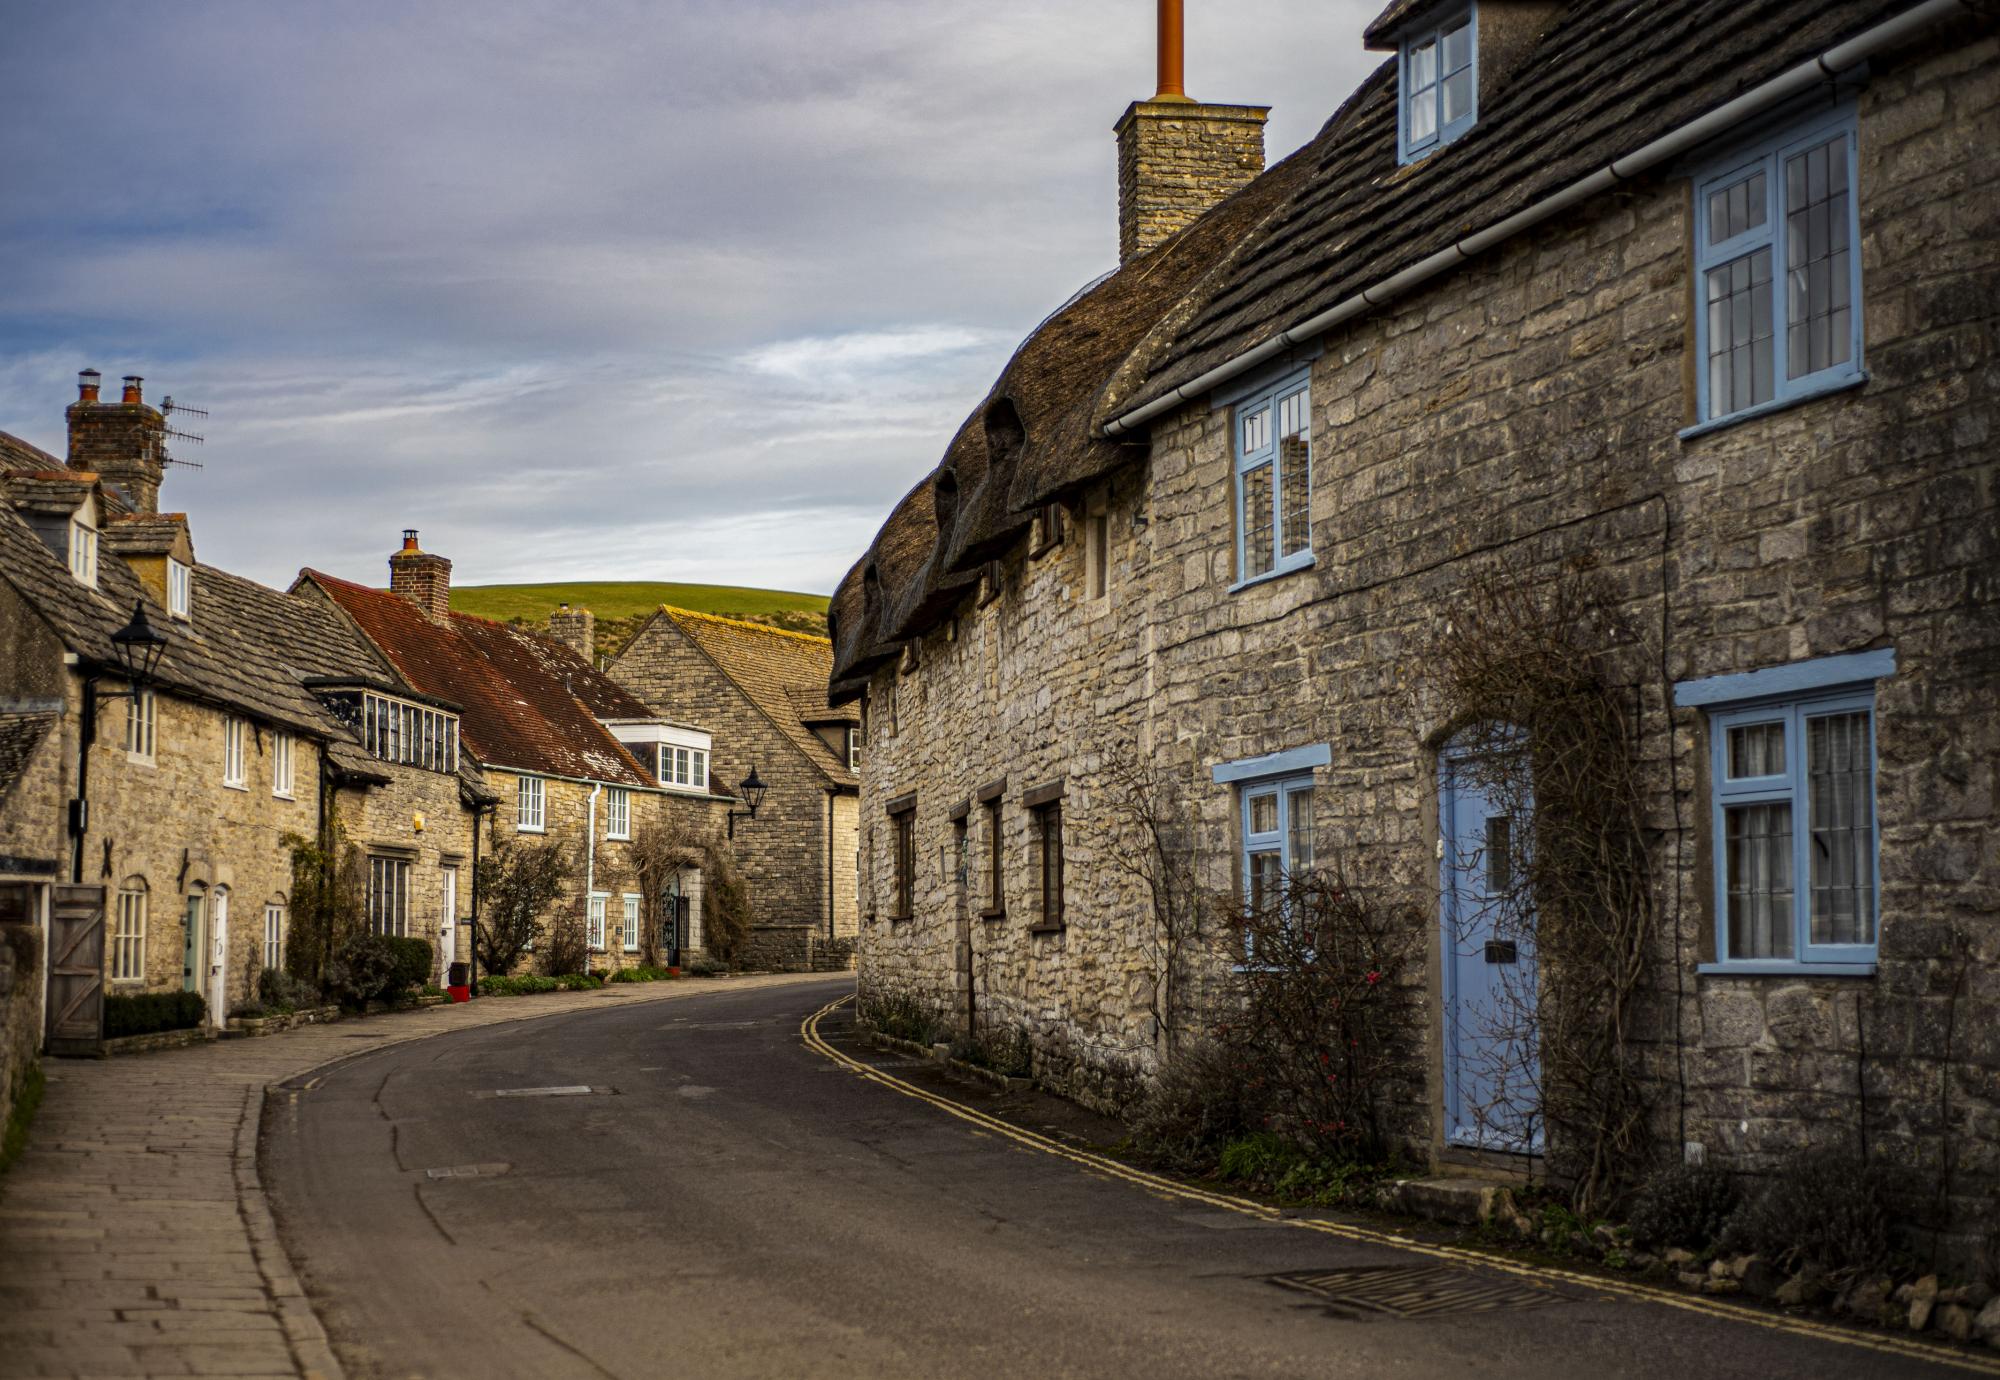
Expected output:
(622, 605)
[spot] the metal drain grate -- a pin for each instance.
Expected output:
(1415, 1291)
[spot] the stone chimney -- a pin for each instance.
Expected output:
(1178, 157)
(420, 577)
(576, 629)
(123, 443)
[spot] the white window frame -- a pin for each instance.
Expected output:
(698, 769)
(83, 552)
(595, 919)
(617, 813)
(531, 806)
(128, 934)
(235, 765)
(629, 926)
(853, 749)
(180, 588)
(412, 734)
(142, 712)
(281, 765)
(274, 935)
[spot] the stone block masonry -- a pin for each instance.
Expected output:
(1176, 159)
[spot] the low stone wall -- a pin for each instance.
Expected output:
(20, 1008)
(161, 1039)
(795, 949)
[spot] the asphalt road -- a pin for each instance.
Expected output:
(725, 1201)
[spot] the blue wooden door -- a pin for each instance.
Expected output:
(1492, 1068)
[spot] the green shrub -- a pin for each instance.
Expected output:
(1687, 1205)
(145, 1013)
(902, 1017)
(701, 965)
(1272, 1164)
(412, 964)
(363, 969)
(520, 986)
(1821, 1209)
(641, 973)
(579, 982)
(280, 993)
(1201, 1102)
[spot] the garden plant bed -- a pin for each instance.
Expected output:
(160, 1039)
(278, 1022)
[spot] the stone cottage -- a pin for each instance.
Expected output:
(568, 755)
(764, 690)
(155, 817)
(1699, 311)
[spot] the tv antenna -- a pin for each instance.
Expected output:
(168, 407)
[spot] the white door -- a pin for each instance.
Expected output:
(218, 957)
(448, 924)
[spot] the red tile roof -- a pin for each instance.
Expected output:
(525, 701)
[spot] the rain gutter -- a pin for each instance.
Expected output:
(1828, 66)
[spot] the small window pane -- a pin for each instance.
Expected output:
(1820, 329)
(1739, 372)
(1458, 47)
(1759, 879)
(1840, 782)
(1257, 519)
(1264, 814)
(1256, 430)
(1756, 750)
(1423, 65)
(1457, 96)
(1423, 116)
(1299, 827)
(1264, 888)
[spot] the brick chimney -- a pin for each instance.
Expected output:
(1178, 157)
(123, 443)
(420, 577)
(576, 629)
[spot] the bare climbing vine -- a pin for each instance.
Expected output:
(1549, 734)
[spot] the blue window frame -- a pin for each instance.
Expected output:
(1273, 445)
(1438, 75)
(1778, 272)
(1792, 816)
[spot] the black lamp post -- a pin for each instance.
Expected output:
(139, 646)
(751, 790)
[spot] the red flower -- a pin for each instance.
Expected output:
(1373, 977)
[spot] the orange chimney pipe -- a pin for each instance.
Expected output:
(1173, 75)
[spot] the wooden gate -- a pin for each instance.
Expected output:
(76, 971)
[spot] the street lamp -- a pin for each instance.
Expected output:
(751, 789)
(139, 646)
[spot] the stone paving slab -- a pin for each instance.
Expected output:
(135, 1238)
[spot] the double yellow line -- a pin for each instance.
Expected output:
(1542, 1275)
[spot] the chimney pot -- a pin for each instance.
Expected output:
(132, 395)
(87, 383)
(1173, 75)
(410, 539)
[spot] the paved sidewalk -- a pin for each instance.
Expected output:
(134, 1235)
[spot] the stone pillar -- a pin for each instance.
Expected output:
(1178, 158)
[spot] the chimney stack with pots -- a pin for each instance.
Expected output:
(123, 443)
(1179, 157)
(420, 577)
(576, 629)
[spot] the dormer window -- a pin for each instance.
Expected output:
(1440, 84)
(83, 552)
(180, 588)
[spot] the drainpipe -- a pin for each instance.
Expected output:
(830, 796)
(590, 870)
(80, 807)
(472, 947)
(1825, 68)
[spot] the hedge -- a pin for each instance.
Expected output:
(148, 1012)
(412, 964)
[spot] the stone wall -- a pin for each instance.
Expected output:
(1522, 411)
(417, 817)
(32, 679)
(170, 827)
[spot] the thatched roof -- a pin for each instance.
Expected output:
(1029, 442)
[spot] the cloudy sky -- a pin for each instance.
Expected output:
(583, 289)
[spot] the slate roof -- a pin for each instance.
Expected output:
(194, 666)
(521, 696)
(17, 454)
(784, 674)
(21, 732)
(1605, 80)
